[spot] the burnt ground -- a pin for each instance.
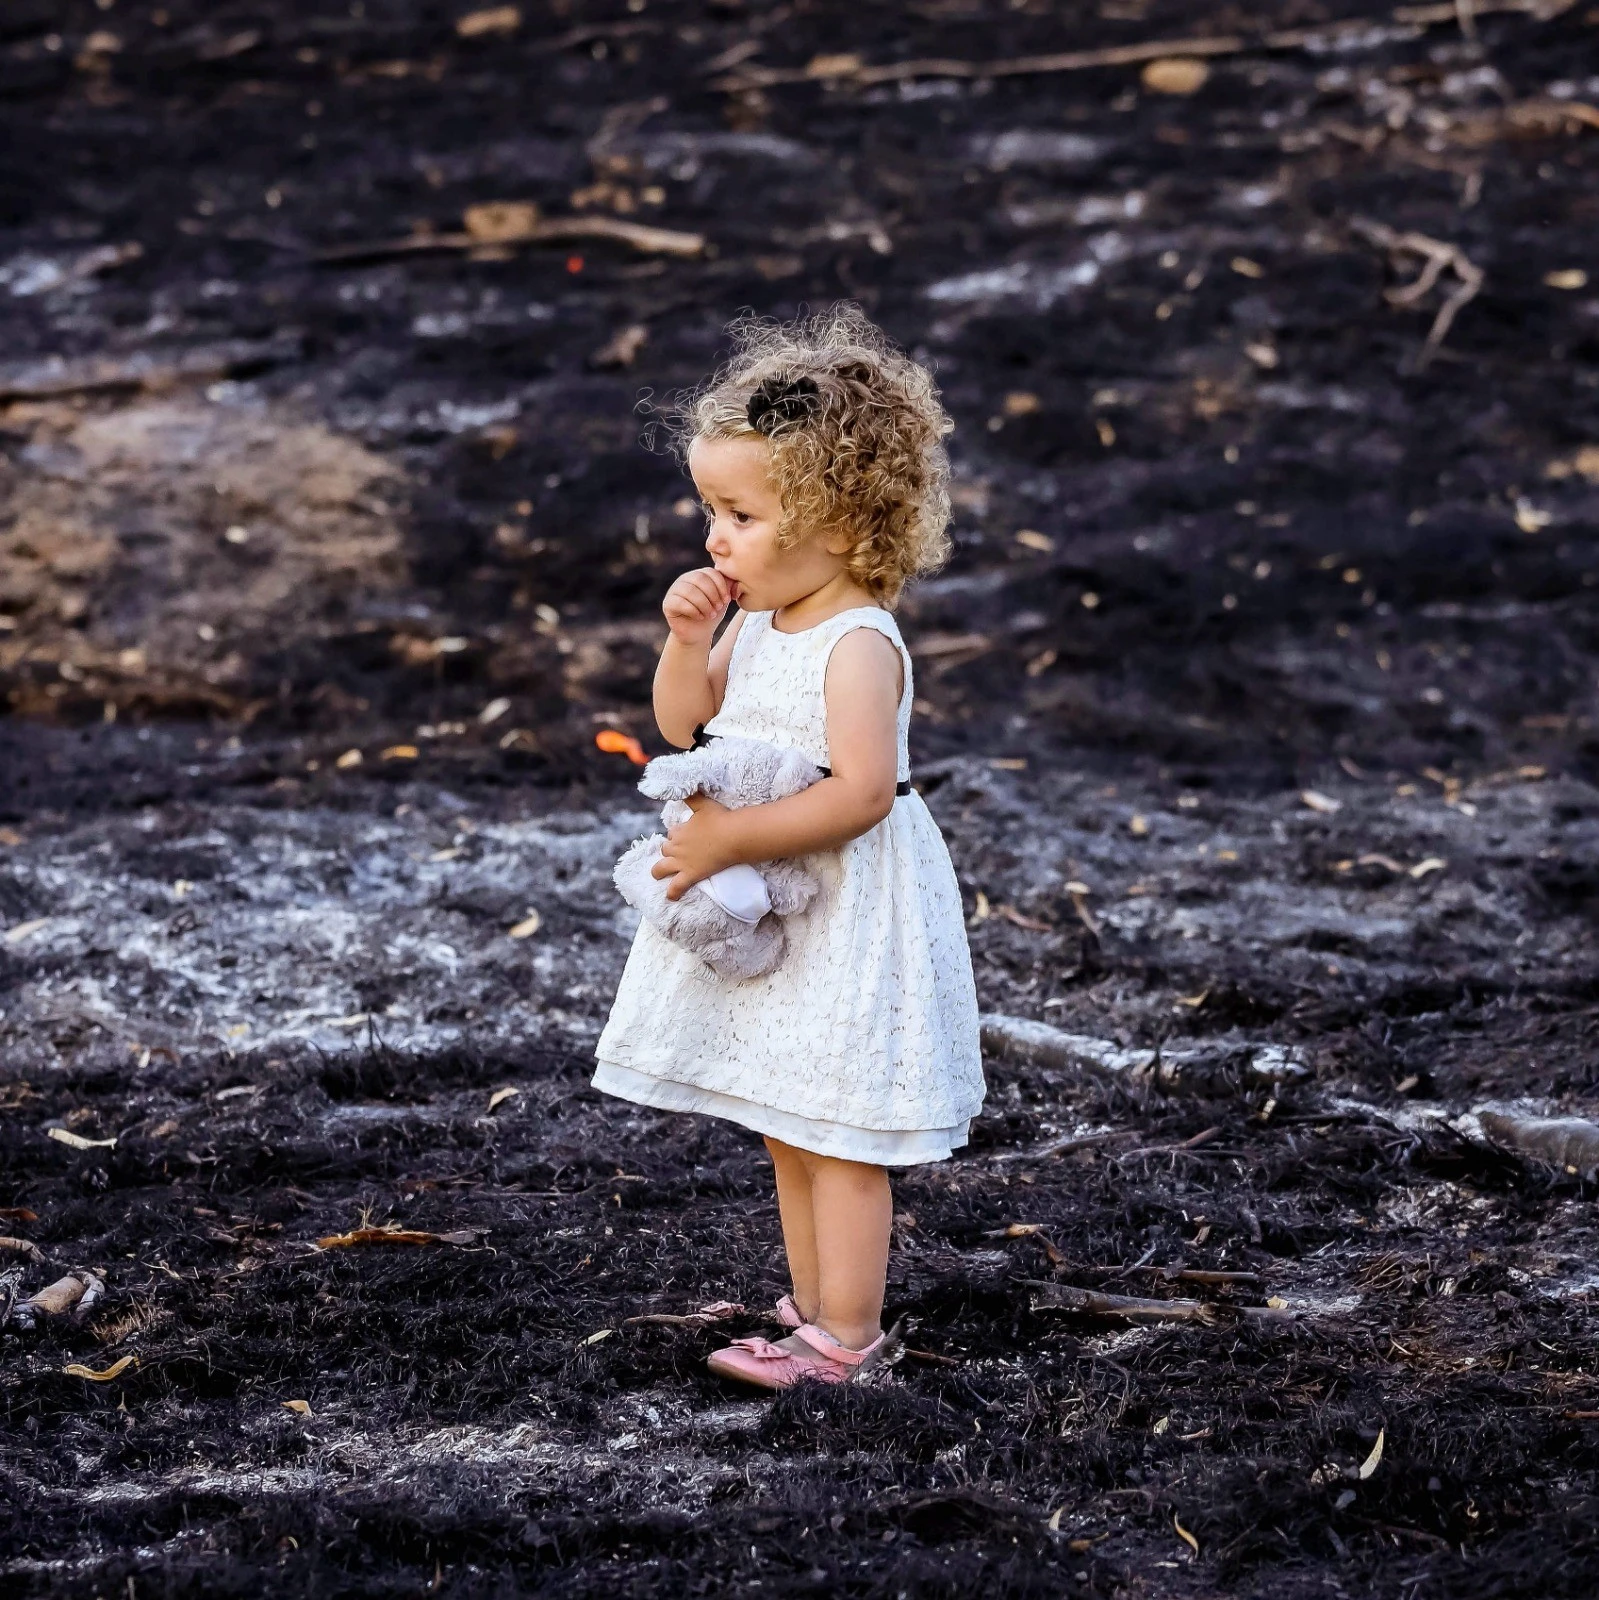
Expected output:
(277, 493)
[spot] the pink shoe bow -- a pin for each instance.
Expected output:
(760, 1362)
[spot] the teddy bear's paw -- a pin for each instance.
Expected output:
(792, 773)
(633, 878)
(789, 886)
(749, 953)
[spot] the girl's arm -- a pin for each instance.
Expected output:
(862, 691)
(691, 677)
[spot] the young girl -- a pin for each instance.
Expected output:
(817, 453)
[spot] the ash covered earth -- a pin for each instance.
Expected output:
(1257, 706)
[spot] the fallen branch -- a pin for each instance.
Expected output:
(1059, 1147)
(851, 69)
(1199, 1275)
(1039, 1044)
(561, 230)
(1543, 116)
(1187, 1147)
(1030, 1230)
(58, 376)
(1438, 255)
(1568, 1143)
(855, 71)
(357, 1236)
(78, 1292)
(1133, 1308)
(22, 1246)
(931, 1356)
(718, 1311)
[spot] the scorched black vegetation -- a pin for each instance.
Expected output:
(1257, 705)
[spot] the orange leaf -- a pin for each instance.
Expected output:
(614, 742)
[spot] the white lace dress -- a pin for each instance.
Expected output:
(863, 1042)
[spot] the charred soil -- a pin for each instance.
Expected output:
(1257, 706)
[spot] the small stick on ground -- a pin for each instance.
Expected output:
(555, 230)
(1184, 1148)
(58, 378)
(1134, 1308)
(705, 1317)
(938, 1360)
(1438, 255)
(364, 1236)
(851, 69)
(1059, 1147)
(1199, 1275)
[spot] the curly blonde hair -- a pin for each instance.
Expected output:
(856, 433)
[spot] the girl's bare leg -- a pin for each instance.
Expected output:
(794, 1206)
(852, 1215)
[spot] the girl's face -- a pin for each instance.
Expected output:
(744, 513)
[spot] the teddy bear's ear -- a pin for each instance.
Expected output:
(672, 777)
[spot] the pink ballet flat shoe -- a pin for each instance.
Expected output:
(758, 1361)
(788, 1313)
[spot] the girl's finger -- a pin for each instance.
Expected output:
(666, 867)
(709, 591)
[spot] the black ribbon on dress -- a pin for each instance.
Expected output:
(702, 738)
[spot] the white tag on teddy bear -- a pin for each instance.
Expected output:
(740, 891)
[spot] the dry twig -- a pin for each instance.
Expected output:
(356, 1236)
(1437, 255)
(1134, 1308)
(58, 376)
(537, 230)
(851, 69)
(1199, 1275)
(717, 1311)
(1059, 1147)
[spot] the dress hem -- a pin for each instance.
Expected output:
(879, 1146)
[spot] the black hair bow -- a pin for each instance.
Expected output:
(778, 403)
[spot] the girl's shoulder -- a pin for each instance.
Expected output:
(842, 622)
(873, 619)
(858, 624)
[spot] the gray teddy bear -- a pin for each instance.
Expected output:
(732, 919)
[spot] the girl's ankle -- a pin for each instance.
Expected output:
(852, 1338)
